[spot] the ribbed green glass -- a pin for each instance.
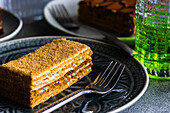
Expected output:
(152, 44)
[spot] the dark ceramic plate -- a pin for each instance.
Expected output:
(11, 25)
(131, 86)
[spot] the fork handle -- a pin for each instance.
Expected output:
(117, 42)
(122, 45)
(51, 107)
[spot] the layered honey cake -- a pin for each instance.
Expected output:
(1, 28)
(37, 76)
(116, 16)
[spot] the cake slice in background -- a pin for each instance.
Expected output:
(116, 16)
(1, 28)
(37, 76)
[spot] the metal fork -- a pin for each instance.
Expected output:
(104, 83)
(60, 13)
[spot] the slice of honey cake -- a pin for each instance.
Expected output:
(117, 16)
(37, 76)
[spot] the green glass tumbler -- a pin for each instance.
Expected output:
(152, 43)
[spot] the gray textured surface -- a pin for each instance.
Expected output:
(155, 100)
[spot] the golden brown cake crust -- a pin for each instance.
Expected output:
(45, 57)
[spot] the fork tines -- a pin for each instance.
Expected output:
(111, 75)
(60, 13)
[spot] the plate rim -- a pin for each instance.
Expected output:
(16, 31)
(125, 106)
(133, 101)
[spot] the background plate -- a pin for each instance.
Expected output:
(84, 30)
(131, 86)
(11, 25)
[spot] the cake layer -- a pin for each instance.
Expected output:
(42, 82)
(112, 15)
(55, 76)
(38, 96)
(56, 88)
(23, 91)
(83, 55)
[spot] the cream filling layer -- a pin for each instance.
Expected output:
(51, 78)
(69, 77)
(63, 70)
